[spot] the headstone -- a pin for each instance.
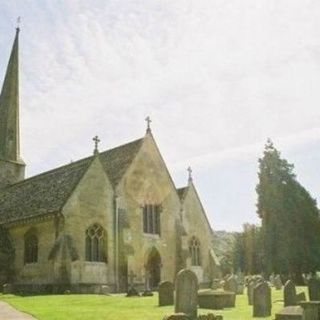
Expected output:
(310, 309)
(289, 294)
(187, 293)
(262, 300)
(240, 288)
(216, 300)
(177, 316)
(271, 279)
(314, 289)
(7, 288)
(147, 291)
(301, 297)
(231, 284)
(132, 292)
(166, 296)
(290, 313)
(216, 284)
(105, 290)
(250, 289)
(277, 282)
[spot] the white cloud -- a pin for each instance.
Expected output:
(217, 77)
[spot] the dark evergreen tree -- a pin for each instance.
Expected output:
(289, 216)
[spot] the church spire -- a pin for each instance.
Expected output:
(9, 118)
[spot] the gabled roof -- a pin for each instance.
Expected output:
(48, 192)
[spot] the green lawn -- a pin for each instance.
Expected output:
(95, 307)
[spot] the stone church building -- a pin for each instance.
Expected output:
(94, 221)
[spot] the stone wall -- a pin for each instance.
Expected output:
(42, 271)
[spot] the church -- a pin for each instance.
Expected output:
(111, 218)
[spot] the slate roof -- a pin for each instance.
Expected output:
(48, 192)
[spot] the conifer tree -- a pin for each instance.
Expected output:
(289, 216)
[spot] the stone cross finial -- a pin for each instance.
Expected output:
(190, 174)
(96, 142)
(148, 120)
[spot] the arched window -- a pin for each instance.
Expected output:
(194, 248)
(96, 244)
(30, 247)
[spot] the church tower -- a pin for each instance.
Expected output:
(12, 167)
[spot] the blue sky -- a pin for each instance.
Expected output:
(217, 78)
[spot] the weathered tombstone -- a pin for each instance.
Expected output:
(105, 290)
(301, 297)
(289, 294)
(177, 316)
(271, 279)
(231, 284)
(7, 288)
(215, 284)
(262, 300)
(240, 288)
(132, 292)
(187, 293)
(250, 288)
(147, 291)
(166, 290)
(314, 289)
(277, 282)
(310, 309)
(290, 313)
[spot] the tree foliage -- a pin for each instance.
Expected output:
(247, 253)
(289, 215)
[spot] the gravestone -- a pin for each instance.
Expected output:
(289, 294)
(314, 289)
(262, 300)
(7, 288)
(290, 313)
(301, 297)
(250, 288)
(187, 293)
(132, 292)
(310, 309)
(277, 282)
(166, 290)
(177, 316)
(231, 284)
(104, 289)
(147, 291)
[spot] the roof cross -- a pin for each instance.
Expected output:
(96, 142)
(190, 174)
(148, 120)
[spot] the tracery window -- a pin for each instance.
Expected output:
(194, 248)
(151, 219)
(30, 247)
(96, 241)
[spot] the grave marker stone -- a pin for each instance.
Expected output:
(289, 294)
(277, 282)
(187, 293)
(262, 300)
(314, 289)
(166, 296)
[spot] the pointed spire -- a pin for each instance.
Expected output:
(9, 108)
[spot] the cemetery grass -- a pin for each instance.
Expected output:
(89, 307)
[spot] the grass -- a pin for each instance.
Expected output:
(96, 307)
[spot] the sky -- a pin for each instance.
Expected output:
(217, 77)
